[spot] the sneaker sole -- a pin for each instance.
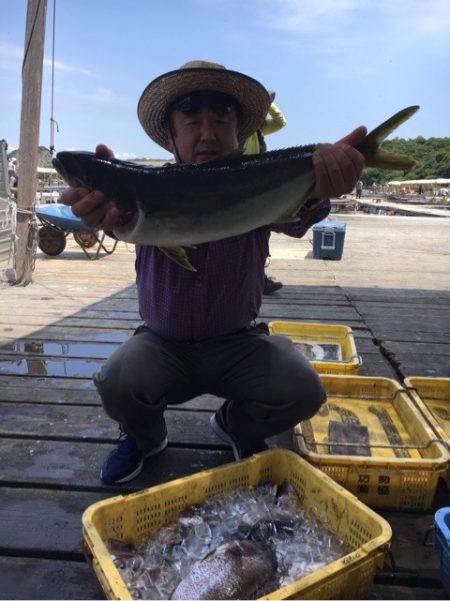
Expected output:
(140, 466)
(224, 436)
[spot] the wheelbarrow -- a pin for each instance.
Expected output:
(57, 222)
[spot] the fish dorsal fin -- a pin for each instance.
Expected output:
(178, 255)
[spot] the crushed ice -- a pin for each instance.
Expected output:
(268, 515)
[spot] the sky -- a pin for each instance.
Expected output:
(334, 64)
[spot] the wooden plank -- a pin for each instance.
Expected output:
(31, 578)
(32, 383)
(44, 522)
(73, 422)
(32, 394)
(404, 311)
(409, 532)
(77, 465)
(416, 348)
(47, 320)
(412, 336)
(404, 295)
(376, 366)
(433, 366)
(52, 332)
(53, 367)
(380, 325)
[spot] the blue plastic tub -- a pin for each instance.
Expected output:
(442, 543)
(328, 240)
(61, 216)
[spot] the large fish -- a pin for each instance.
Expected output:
(183, 205)
(235, 570)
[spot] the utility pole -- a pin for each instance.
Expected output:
(26, 232)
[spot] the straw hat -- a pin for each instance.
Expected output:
(197, 76)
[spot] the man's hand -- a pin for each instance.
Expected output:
(338, 166)
(92, 207)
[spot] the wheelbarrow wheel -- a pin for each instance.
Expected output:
(85, 239)
(51, 240)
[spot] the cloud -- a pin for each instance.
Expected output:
(99, 95)
(11, 60)
(356, 37)
(409, 18)
(70, 68)
(304, 16)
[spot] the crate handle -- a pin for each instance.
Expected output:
(441, 526)
(373, 446)
(368, 398)
(314, 336)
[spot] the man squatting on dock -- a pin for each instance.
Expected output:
(199, 334)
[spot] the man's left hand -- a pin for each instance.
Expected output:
(338, 166)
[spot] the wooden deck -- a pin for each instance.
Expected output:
(392, 287)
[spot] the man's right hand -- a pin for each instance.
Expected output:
(91, 206)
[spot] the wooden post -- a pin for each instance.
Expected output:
(29, 137)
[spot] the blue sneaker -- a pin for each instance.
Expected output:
(126, 461)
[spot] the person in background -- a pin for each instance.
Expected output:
(359, 188)
(255, 144)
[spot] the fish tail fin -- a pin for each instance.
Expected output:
(381, 159)
(178, 255)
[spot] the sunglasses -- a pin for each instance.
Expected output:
(220, 103)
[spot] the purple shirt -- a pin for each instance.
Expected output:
(226, 291)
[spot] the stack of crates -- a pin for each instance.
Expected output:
(398, 463)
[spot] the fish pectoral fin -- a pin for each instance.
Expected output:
(178, 255)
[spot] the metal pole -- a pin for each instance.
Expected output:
(29, 140)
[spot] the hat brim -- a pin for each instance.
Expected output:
(252, 97)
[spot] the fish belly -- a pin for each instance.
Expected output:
(196, 224)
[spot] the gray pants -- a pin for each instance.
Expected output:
(270, 385)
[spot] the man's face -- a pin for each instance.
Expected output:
(204, 134)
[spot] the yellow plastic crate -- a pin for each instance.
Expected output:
(318, 340)
(432, 397)
(132, 517)
(406, 459)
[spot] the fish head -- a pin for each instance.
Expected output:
(76, 168)
(95, 172)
